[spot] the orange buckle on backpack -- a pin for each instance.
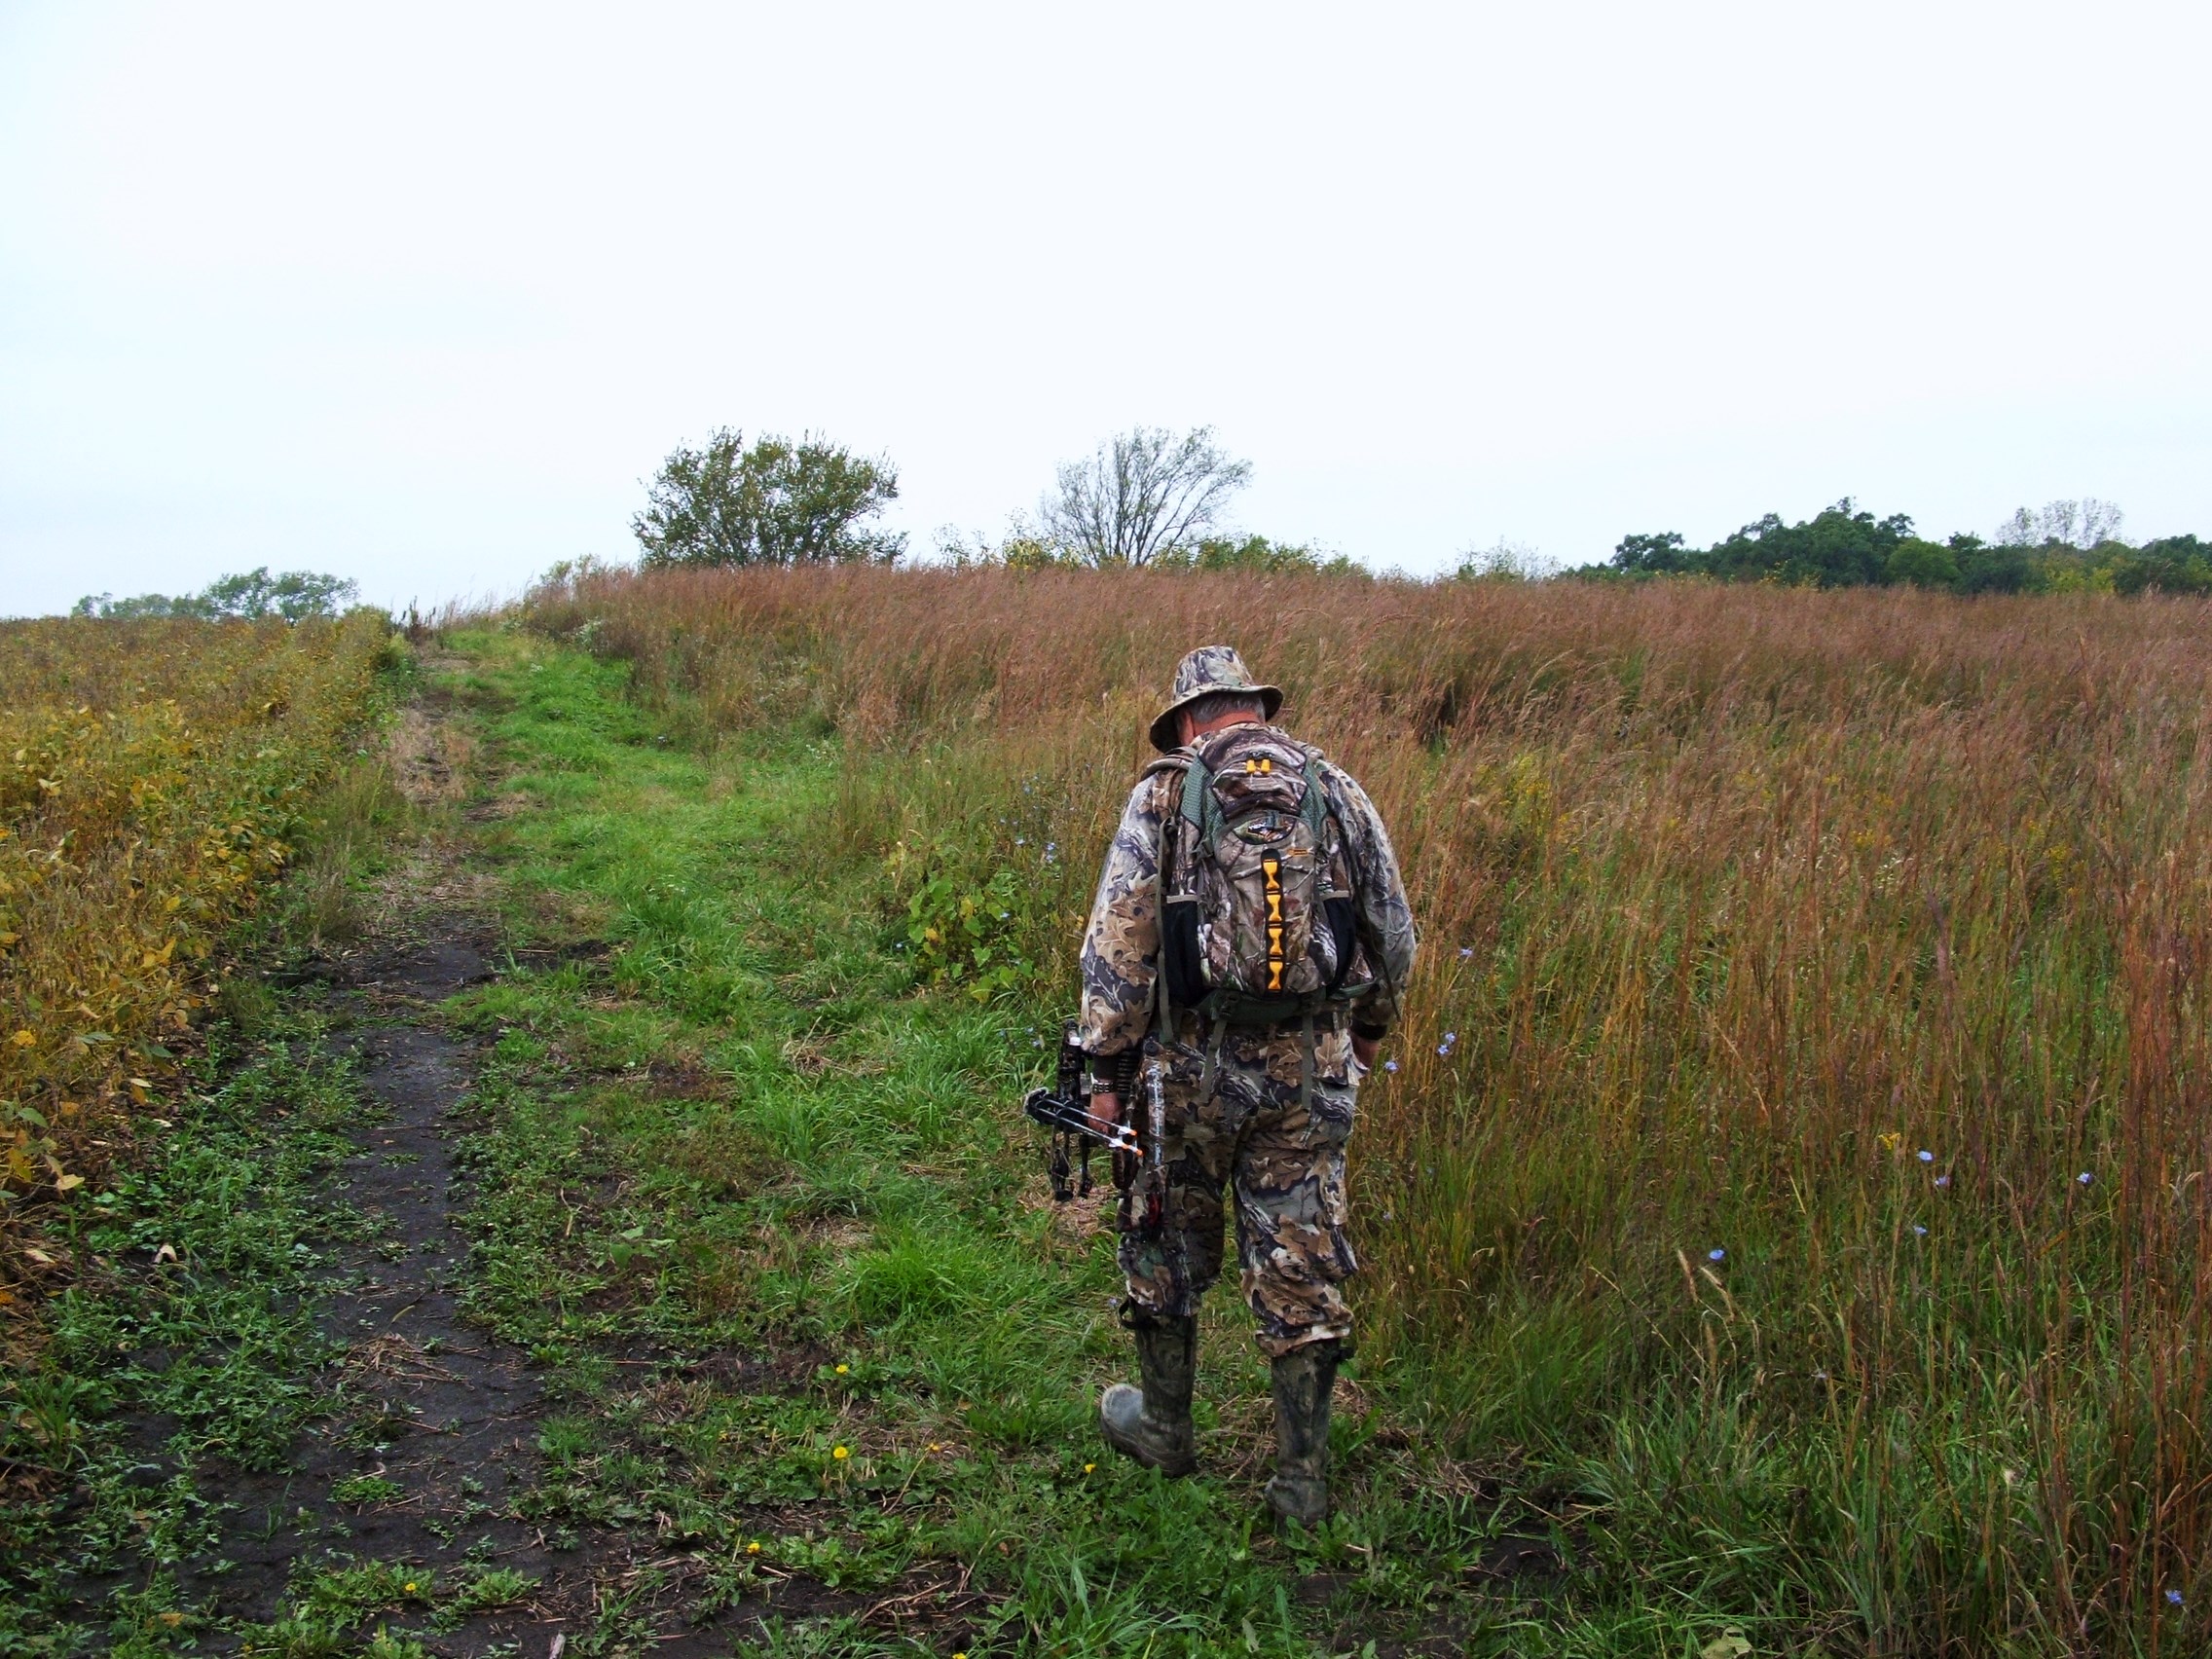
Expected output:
(1271, 868)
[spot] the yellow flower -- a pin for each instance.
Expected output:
(24, 1040)
(1088, 1467)
(754, 1548)
(409, 1587)
(840, 1452)
(843, 1369)
(934, 1446)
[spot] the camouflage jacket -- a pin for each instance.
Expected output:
(1121, 947)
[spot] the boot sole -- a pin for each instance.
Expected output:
(1172, 1466)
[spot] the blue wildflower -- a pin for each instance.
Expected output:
(2173, 1598)
(1927, 1157)
(2083, 1177)
(1920, 1229)
(1942, 1180)
(1715, 1255)
(1389, 1065)
(1467, 951)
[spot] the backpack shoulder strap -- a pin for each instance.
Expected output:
(1198, 785)
(1195, 775)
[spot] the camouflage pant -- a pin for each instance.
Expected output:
(1284, 1165)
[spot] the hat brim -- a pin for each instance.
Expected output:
(1164, 733)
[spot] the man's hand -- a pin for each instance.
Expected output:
(1364, 1050)
(1105, 1109)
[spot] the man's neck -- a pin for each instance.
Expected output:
(1221, 723)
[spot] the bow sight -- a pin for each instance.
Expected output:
(1065, 1110)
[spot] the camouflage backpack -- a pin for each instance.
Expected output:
(1257, 922)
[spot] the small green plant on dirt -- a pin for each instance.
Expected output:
(487, 1590)
(366, 1489)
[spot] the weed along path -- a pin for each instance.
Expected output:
(640, 1262)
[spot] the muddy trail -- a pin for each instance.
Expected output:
(419, 1464)
(425, 1405)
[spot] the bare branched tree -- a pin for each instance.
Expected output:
(2085, 524)
(1143, 494)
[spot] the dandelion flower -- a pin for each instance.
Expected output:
(754, 1548)
(1927, 1157)
(840, 1452)
(1717, 1255)
(1088, 1467)
(409, 1587)
(843, 1369)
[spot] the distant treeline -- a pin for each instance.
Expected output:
(2069, 547)
(295, 596)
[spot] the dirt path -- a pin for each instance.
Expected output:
(413, 1474)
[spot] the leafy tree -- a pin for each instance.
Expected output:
(1841, 546)
(1919, 563)
(776, 502)
(294, 596)
(1142, 494)
(1649, 554)
(1256, 555)
(2172, 564)
(1983, 568)
(1503, 562)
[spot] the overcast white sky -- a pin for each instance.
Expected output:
(420, 293)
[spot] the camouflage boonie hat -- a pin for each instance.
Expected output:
(1206, 669)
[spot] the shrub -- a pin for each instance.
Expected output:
(151, 773)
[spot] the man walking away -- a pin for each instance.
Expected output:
(1251, 936)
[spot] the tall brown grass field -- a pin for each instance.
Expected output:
(1798, 1154)
(151, 775)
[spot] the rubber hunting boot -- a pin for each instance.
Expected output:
(1303, 1380)
(1153, 1423)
